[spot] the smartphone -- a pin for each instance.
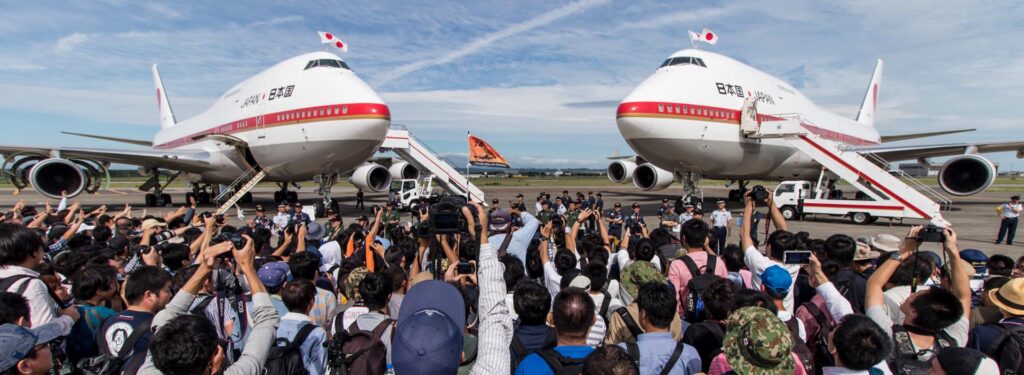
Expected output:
(796, 257)
(465, 268)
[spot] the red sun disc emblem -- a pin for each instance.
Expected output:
(329, 36)
(709, 36)
(340, 44)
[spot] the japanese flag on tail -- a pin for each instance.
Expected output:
(481, 153)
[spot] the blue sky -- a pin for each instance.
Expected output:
(538, 79)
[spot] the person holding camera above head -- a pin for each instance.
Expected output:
(187, 344)
(934, 318)
(500, 222)
(778, 243)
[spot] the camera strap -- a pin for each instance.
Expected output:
(503, 249)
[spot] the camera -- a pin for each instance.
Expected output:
(636, 228)
(235, 238)
(465, 268)
(142, 249)
(163, 236)
(759, 193)
(931, 233)
(423, 230)
(446, 216)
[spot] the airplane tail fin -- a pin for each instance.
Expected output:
(866, 115)
(163, 103)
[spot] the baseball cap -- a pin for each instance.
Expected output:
(758, 342)
(865, 252)
(16, 342)
(150, 223)
(428, 337)
(957, 360)
(274, 274)
(581, 282)
(1009, 297)
(976, 258)
(776, 279)
(499, 221)
(354, 279)
(886, 242)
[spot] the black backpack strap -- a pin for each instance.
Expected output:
(691, 265)
(378, 331)
(136, 335)
(553, 358)
(634, 351)
(944, 340)
(7, 283)
(605, 303)
(819, 316)
(518, 349)
(503, 249)
(1009, 333)
(673, 359)
(710, 267)
(628, 320)
(301, 336)
(904, 348)
(200, 308)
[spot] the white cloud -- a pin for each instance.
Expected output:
(68, 43)
(109, 106)
(489, 39)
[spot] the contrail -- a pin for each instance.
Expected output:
(489, 39)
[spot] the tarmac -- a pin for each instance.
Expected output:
(974, 217)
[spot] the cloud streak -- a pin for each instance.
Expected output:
(489, 39)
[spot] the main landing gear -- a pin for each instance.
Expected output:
(691, 193)
(284, 195)
(201, 193)
(157, 198)
(736, 195)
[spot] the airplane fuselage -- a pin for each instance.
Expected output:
(295, 120)
(685, 118)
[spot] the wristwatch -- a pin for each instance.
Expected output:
(896, 256)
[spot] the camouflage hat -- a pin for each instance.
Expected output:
(758, 343)
(352, 285)
(639, 273)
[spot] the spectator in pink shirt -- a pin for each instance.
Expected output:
(694, 236)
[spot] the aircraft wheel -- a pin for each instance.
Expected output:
(246, 198)
(319, 209)
(293, 196)
(165, 200)
(150, 200)
(279, 196)
(203, 198)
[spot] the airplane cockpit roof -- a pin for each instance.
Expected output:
(326, 63)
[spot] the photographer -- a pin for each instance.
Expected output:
(501, 226)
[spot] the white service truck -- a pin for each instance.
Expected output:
(407, 192)
(797, 199)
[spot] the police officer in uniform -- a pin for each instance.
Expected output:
(391, 218)
(721, 219)
(615, 220)
(687, 213)
(262, 220)
(1009, 215)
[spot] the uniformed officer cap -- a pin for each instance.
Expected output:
(636, 205)
(1015, 197)
(617, 204)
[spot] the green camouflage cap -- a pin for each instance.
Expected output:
(758, 343)
(352, 286)
(639, 273)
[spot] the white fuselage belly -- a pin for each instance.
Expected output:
(327, 121)
(680, 120)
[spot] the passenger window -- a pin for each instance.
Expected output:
(661, 107)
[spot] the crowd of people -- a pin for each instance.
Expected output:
(566, 286)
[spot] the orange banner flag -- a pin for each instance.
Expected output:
(481, 153)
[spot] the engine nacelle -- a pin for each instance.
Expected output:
(404, 171)
(371, 177)
(621, 170)
(647, 177)
(966, 175)
(52, 176)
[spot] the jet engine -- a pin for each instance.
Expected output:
(966, 175)
(404, 171)
(647, 177)
(371, 177)
(51, 176)
(621, 170)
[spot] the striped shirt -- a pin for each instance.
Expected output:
(495, 323)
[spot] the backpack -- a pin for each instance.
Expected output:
(287, 359)
(355, 351)
(105, 364)
(634, 328)
(693, 303)
(819, 343)
(603, 311)
(519, 351)
(903, 359)
(7, 282)
(561, 365)
(800, 348)
(634, 351)
(1008, 349)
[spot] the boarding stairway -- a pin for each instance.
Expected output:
(242, 185)
(403, 143)
(884, 189)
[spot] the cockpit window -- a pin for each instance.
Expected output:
(683, 60)
(327, 63)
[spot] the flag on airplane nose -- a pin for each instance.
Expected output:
(709, 37)
(326, 37)
(482, 154)
(333, 40)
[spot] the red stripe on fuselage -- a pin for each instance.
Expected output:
(334, 112)
(721, 115)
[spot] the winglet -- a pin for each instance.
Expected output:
(163, 103)
(866, 115)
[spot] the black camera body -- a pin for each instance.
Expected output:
(931, 233)
(759, 193)
(446, 216)
(236, 239)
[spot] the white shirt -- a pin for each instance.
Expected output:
(1011, 211)
(720, 218)
(757, 263)
(42, 307)
(538, 207)
(280, 220)
(622, 259)
(684, 217)
(331, 256)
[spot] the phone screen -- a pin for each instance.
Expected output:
(796, 257)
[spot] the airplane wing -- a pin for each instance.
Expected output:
(180, 161)
(894, 153)
(903, 137)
